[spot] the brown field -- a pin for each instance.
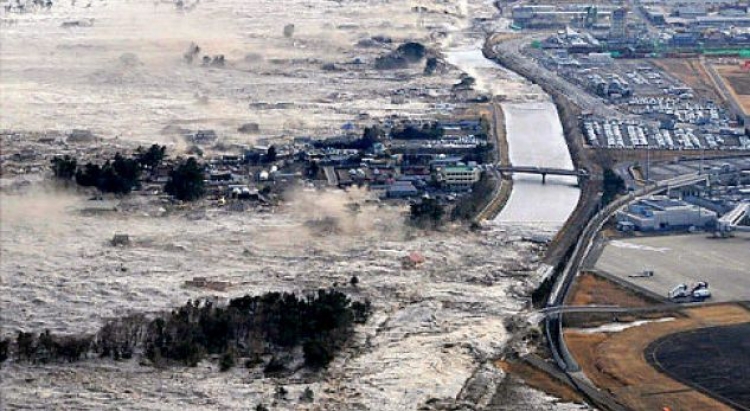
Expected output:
(590, 289)
(540, 380)
(616, 362)
(692, 73)
(738, 81)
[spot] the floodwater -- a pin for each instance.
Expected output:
(535, 138)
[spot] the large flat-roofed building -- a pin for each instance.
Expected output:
(662, 213)
(460, 177)
(619, 27)
(720, 22)
(558, 16)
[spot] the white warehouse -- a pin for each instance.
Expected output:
(661, 213)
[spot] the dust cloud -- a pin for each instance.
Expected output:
(347, 213)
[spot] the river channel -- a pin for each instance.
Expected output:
(535, 138)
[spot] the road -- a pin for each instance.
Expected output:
(563, 282)
(511, 49)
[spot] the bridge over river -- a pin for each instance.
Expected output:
(543, 171)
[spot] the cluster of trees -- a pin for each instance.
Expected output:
(64, 167)
(119, 175)
(186, 180)
(400, 58)
(370, 136)
(46, 347)
(482, 154)
(484, 127)
(256, 158)
(249, 326)
(428, 213)
(466, 83)
(470, 205)
(613, 185)
(429, 131)
(412, 51)
(122, 175)
(152, 157)
(430, 66)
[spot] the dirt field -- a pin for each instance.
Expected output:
(539, 380)
(590, 289)
(616, 361)
(738, 81)
(692, 73)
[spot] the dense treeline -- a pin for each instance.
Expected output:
(275, 324)
(121, 175)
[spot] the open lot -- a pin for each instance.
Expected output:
(723, 263)
(738, 81)
(692, 73)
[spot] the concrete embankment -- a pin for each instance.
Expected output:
(505, 183)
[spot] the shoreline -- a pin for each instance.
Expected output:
(505, 186)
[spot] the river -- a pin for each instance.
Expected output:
(535, 138)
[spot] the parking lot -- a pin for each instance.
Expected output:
(664, 112)
(723, 263)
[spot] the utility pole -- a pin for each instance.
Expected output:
(648, 164)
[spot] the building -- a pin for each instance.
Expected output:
(460, 177)
(558, 16)
(690, 11)
(719, 22)
(661, 213)
(687, 39)
(619, 28)
(600, 58)
(401, 189)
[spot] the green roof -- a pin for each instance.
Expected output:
(459, 169)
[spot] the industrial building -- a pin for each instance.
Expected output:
(546, 16)
(661, 213)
